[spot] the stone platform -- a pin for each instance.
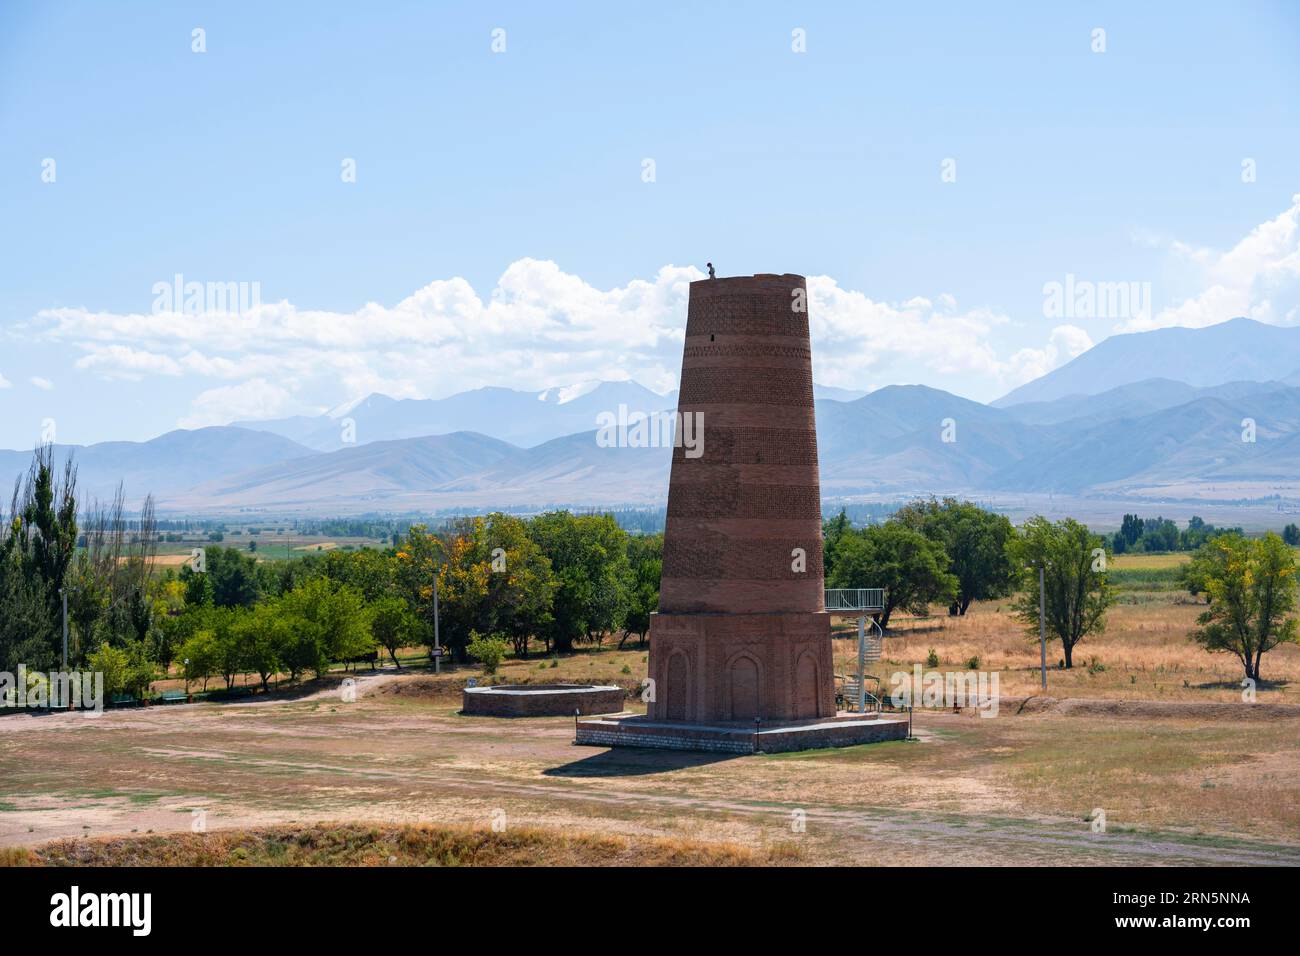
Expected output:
(541, 700)
(635, 730)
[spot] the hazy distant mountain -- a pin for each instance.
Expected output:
(521, 418)
(1132, 401)
(574, 469)
(1156, 437)
(372, 473)
(1238, 350)
(834, 394)
(164, 465)
(464, 467)
(1197, 441)
(894, 439)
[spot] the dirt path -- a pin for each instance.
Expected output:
(962, 797)
(990, 838)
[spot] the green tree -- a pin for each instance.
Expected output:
(225, 624)
(1291, 535)
(1252, 590)
(37, 545)
(371, 573)
(975, 541)
(114, 664)
(141, 670)
(49, 520)
(394, 626)
(832, 531)
(198, 657)
(1131, 530)
(126, 670)
(421, 563)
(232, 575)
(327, 622)
(645, 555)
(588, 554)
(521, 585)
(263, 635)
(1075, 587)
(912, 568)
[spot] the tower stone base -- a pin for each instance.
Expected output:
(738, 667)
(635, 730)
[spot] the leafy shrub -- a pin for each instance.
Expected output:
(488, 651)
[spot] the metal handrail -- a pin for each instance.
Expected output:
(855, 599)
(849, 685)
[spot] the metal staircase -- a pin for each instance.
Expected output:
(873, 642)
(866, 604)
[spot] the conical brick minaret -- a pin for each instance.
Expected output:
(742, 630)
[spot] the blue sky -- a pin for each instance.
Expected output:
(500, 229)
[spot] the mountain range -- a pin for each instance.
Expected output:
(1239, 350)
(1172, 415)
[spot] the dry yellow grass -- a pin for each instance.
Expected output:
(1145, 652)
(1125, 562)
(360, 844)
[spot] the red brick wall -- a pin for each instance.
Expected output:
(736, 513)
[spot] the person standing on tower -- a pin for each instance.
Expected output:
(710, 265)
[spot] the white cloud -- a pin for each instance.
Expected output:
(855, 337)
(1258, 278)
(1065, 342)
(539, 327)
(5, 383)
(42, 383)
(120, 361)
(256, 398)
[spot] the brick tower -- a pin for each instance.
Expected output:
(742, 631)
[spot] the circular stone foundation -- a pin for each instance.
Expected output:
(542, 700)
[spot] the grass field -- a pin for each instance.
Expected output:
(1149, 728)
(1144, 653)
(1012, 789)
(269, 547)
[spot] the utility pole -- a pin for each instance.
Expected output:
(63, 593)
(1042, 624)
(437, 646)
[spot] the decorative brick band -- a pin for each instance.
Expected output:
(728, 499)
(745, 314)
(742, 386)
(754, 559)
(748, 351)
(754, 445)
